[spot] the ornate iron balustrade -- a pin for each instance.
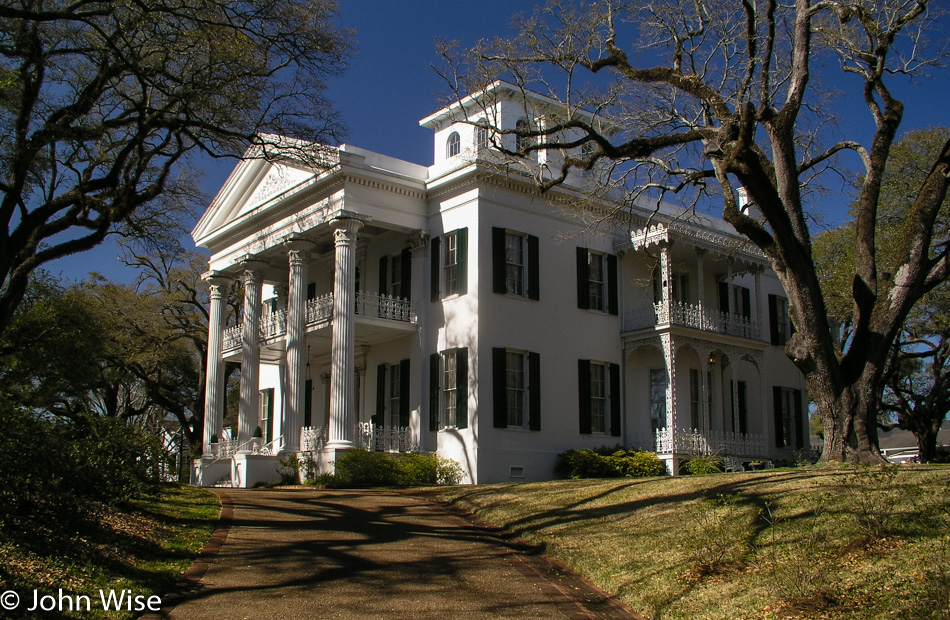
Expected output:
(686, 441)
(321, 309)
(384, 307)
(312, 438)
(382, 439)
(274, 324)
(232, 337)
(694, 316)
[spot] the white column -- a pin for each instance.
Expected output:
(214, 371)
(418, 364)
(250, 352)
(292, 419)
(342, 392)
(701, 291)
(666, 282)
(669, 355)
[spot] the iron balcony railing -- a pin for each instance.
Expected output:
(320, 310)
(694, 316)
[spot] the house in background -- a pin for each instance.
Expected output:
(454, 308)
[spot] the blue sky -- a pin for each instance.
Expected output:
(390, 86)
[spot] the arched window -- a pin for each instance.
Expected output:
(482, 140)
(454, 146)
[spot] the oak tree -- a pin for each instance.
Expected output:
(103, 103)
(710, 98)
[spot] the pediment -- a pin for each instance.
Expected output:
(252, 186)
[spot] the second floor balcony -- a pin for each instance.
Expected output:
(319, 312)
(694, 316)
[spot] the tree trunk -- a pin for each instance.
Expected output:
(845, 412)
(926, 443)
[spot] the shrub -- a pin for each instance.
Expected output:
(360, 468)
(702, 464)
(588, 463)
(640, 464)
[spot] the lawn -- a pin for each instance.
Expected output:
(803, 543)
(142, 547)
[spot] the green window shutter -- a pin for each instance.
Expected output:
(383, 272)
(462, 261)
(583, 277)
(799, 420)
(498, 271)
(583, 390)
(461, 389)
(499, 367)
(406, 274)
(311, 291)
(615, 399)
(746, 303)
(534, 391)
(379, 419)
(435, 262)
(724, 297)
(435, 390)
(534, 269)
(613, 303)
(774, 336)
(777, 416)
(404, 393)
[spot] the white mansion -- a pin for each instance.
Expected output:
(455, 308)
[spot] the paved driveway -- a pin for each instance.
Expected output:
(302, 553)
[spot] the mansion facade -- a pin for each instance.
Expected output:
(455, 308)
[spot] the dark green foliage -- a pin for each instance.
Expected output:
(50, 466)
(360, 468)
(621, 463)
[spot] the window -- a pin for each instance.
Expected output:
(597, 281)
(679, 288)
(516, 389)
(658, 385)
(740, 407)
(515, 262)
(392, 395)
(266, 417)
(395, 275)
(788, 416)
(735, 299)
(449, 269)
(780, 323)
(454, 145)
(482, 136)
(599, 397)
(448, 389)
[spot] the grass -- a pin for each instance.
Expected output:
(782, 544)
(143, 547)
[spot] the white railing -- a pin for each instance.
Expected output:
(321, 309)
(691, 315)
(312, 438)
(384, 307)
(232, 337)
(382, 439)
(274, 324)
(688, 441)
(272, 447)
